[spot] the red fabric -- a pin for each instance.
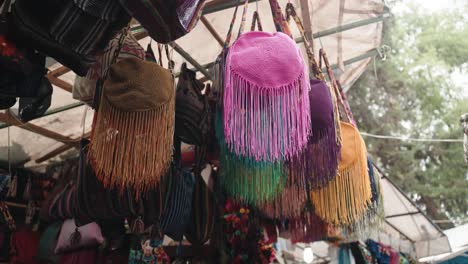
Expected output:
(24, 243)
(85, 256)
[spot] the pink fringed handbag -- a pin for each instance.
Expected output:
(266, 97)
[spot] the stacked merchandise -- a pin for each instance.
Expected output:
(371, 252)
(277, 136)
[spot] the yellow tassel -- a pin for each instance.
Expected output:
(347, 197)
(132, 149)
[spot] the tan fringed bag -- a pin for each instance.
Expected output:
(132, 136)
(347, 197)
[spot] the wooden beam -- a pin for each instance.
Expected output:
(53, 153)
(13, 120)
(218, 5)
(305, 11)
(212, 30)
(191, 60)
(59, 150)
(60, 83)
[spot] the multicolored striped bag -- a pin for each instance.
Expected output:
(165, 20)
(70, 31)
(178, 204)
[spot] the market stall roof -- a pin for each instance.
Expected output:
(411, 224)
(349, 30)
(458, 238)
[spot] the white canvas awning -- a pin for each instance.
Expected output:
(402, 215)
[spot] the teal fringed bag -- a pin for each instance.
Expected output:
(255, 182)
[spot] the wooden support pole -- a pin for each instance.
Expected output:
(53, 78)
(12, 120)
(59, 150)
(212, 30)
(191, 60)
(53, 153)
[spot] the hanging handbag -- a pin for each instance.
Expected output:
(84, 87)
(253, 181)
(193, 119)
(164, 20)
(178, 203)
(48, 242)
(34, 107)
(203, 204)
(266, 97)
(318, 163)
(70, 31)
(144, 118)
(73, 238)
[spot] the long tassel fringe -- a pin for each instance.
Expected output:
(317, 165)
(254, 182)
(266, 123)
(347, 197)
(289, 204)
(132, 149)
(308, 228)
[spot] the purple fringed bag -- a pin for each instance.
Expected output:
(318, 163)
(266, 97)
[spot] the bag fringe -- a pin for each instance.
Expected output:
(317, 165)
(266, 123)
(347, 197)
(132, 149)
(254, 182)
(289, 204)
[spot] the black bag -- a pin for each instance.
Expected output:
(33, 107)
(70, 31)
(193, 119)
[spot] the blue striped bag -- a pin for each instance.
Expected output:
(178, 205)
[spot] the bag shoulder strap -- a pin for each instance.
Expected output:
(291, 12)
(343, 106)
(256, 21)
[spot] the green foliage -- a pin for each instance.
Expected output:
(413, 94)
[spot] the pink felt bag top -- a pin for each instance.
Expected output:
(266, 100)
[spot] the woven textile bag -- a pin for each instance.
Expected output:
(318, 163)
(266, 97)
(165, 20)
(178, 203)
(193, 119)
(203, 205)
(253, 181)
(84, 87)
(132, 135)
(70, 31)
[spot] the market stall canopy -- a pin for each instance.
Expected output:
(402, 215)
(458, 238)
(350, 31)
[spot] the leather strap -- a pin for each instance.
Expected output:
(227, 42)
(343, 106)
(256, 21)
(316, 71)
(278, 18)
